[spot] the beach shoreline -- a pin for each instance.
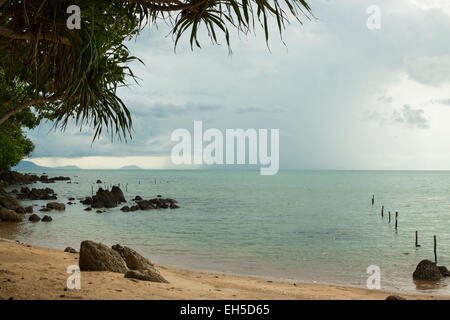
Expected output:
(29, 272)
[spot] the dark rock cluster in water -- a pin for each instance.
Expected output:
(36, 194)
(105, 198)
(10, 178)
(429, 271)
(156, 203)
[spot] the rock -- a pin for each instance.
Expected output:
(56, 206)
(98, 204)
(98, 257)
(137, 198)
(427, 270)
(145, 275)
(69, 203)
(9, 215)
(34, 218)
(15, 191)
(99, 211)
(133, 259)
(70, 250)
(29, 209)
(87, 201)
(88, 209)
(47, 219)
(46, 179)
(45, 210)
(444, 271)
(16, 178)
(125, 209)
(117, 192)
(146, 205)
(37, 194)
(174, 206)
(9, 202)
(134, 208)
(104, 199)
(71, 199)
(99, 181)
(395, 298)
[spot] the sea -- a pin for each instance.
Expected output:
(300, 226)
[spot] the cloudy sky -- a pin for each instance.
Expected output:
(342, 95)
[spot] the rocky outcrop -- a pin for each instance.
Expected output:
(70, 250)
(145, 275)
(29, 209)
(9, 202)
(34, 218)
(427, 270)
(10, 178)
(98, 257)
(47, 219)
(46, 179)
(9, 215)
(125, 209)
(105, 198)
(137, 198)
(56, 206)
(37, 194)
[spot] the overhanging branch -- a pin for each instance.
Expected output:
(8, 33)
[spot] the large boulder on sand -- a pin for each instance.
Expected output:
(133, 259)
(98, 257)
(427, 270)
(146, 275)
(140, 267)
(56, 206)
(9, 215)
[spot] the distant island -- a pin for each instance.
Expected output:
(29, 165)
(131, 168)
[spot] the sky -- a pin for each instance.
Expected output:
(342, 95)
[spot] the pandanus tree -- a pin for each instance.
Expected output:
(73, 74)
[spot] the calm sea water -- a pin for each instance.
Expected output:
(312, 226)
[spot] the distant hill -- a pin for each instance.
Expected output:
(130, 168)
(28, 165)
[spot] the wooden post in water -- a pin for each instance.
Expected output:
(389, 217)
(435, 255)
(382, 211)
(396, 219)
(417, 242)
(92, 190)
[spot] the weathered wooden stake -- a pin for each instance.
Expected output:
(92, 190)
(396, 218)
(417, 242)
(435, 255)
(382, 211)
(389, 217)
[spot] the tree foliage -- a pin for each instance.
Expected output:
(14, 145)
(74, 74)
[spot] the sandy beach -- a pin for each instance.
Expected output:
(31, 272)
